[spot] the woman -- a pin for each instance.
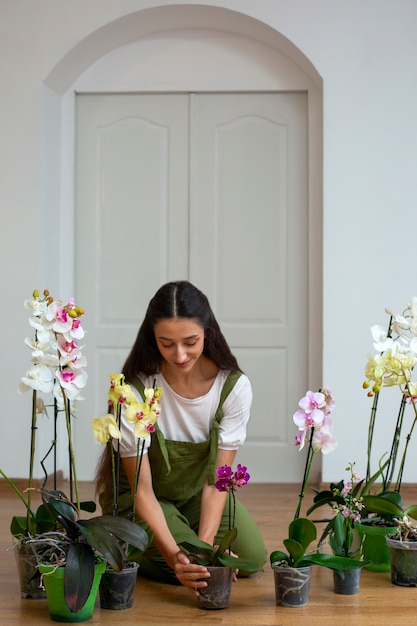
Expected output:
(205, 407)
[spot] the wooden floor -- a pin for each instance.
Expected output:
(379, 602)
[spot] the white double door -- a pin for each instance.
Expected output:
(211, 188)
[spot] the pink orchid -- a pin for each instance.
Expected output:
(323, 440)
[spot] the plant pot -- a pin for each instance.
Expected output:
(29, 576)
(53, 580)
(347, 581)
(403, 559)
(374, 547)
(292, 585)
(217, 593)
(117, 589)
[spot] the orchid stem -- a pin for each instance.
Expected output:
(395, 445)
(139, 456)
(307, 469)
(32, 457)
(373, 417)
(73, 471)
(371, 433)
(408, 438)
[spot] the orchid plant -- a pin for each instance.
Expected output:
(393, 366)
(57, 367)
(211, 556)
(346, 500)
(228, 480)
(108, 427)
(315, 427)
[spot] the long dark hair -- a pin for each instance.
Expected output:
(177, 299)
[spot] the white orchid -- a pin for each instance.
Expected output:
(380, 338)
(39, 378)
(56, 315)
(57, 368)
(57, 328)
(36, 306)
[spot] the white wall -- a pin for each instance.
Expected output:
(366, 53)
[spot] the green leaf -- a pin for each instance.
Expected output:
(411, 511)
(18, 525)
(57, 503)
(278, 556)
(89, 506)
(382, 505)
(339, 529)
(200, 551)
(295, 550)
(243, 564)
(205, 554)
(328, 529)
(392, 496)
(332, 561)
(78, 576)
(44, 520)
(227, 540)
(303, 531)
(193, 544)
(101, 540)
(326, 497)
(375, 476)
(124, 529)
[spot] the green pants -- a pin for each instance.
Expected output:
(185, 519)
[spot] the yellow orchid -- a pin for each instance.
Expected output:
(122, 395)
(115, 381)
(143, 428)
(144, 414)
(105, 427)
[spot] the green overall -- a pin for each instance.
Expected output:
(179, 470)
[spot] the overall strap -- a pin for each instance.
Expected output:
(138, 384)
(229, 383)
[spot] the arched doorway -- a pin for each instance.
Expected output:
(193, 50)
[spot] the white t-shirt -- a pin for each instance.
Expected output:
(184, 419)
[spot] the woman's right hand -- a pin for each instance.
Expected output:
(190, 574)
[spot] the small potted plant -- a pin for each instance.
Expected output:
(402, 543)
(292, 569)
(57, 369)
(73, 558)
(219, 559)
(117, 588)
(392, 366)
(346, 500)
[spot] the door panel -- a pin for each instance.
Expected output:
(131, 225)
(249, 252)
(209, 187)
